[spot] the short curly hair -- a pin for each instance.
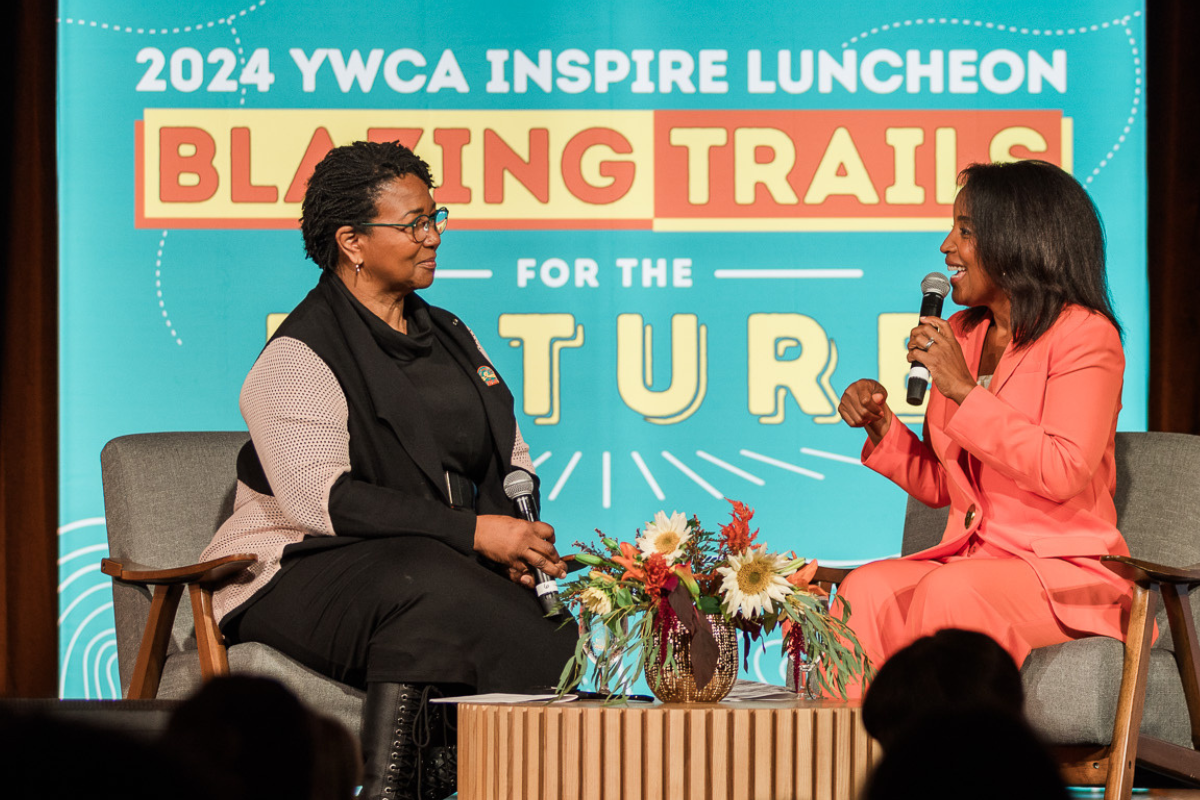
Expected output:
(343, 190)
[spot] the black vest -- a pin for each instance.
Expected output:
(396, 483)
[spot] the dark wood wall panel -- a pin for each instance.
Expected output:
(29, 369)
(1173, 121)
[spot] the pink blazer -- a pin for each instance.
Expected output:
(1028, 464)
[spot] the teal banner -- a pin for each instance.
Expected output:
(680, 230)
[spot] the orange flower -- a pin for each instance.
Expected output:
(684, 573)
(736, 532)
(802, 580)
(628, 559)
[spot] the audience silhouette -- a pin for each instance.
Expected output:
(949, 713)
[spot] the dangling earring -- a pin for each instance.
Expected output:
(358, 268)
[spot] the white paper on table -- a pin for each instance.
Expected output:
(748, 691)
(502, 699)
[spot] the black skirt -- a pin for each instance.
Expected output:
(407, 609)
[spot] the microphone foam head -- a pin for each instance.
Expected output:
(935, 283)
(517, 483)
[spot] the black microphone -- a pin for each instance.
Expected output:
(934, 289)
(518, 485)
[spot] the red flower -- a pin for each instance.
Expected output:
(736, 533)
(795, 646)
(658, 572)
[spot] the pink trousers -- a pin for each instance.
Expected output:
(895, 602)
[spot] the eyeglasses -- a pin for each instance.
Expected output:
(419, 228)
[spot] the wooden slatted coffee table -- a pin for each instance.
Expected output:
(734, 751)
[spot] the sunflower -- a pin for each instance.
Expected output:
(665, 535)
(752, 580)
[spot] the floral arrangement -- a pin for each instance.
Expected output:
(678, 572)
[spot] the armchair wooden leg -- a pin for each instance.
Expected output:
(1082, 765)
(1187, 651)
(1133, 694)
(1179, 762)
(209, 641)
(152, 654)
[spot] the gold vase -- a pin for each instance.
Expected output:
(673, 682)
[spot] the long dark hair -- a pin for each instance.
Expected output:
(1039, 237)
(343, 189)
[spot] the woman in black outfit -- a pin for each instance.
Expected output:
(372, 487)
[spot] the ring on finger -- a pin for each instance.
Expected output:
(929, 344)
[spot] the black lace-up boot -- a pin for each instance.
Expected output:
(439, 758)
(389, 726)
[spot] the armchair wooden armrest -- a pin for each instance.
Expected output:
(572, 564)
(206, 572)
(1144, 573)
(168, 588)
(831, 574)
(826, 577)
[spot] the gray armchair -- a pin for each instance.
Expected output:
(165, 494)
(1091, 697)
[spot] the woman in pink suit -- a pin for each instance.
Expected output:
(1019, 431)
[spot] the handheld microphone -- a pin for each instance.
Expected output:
(934, 289)
(518, 485)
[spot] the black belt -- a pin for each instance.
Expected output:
(461, 490)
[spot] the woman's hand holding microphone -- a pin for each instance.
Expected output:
(933, 343)
(519, 546)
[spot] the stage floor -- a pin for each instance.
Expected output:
(1168, 794)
